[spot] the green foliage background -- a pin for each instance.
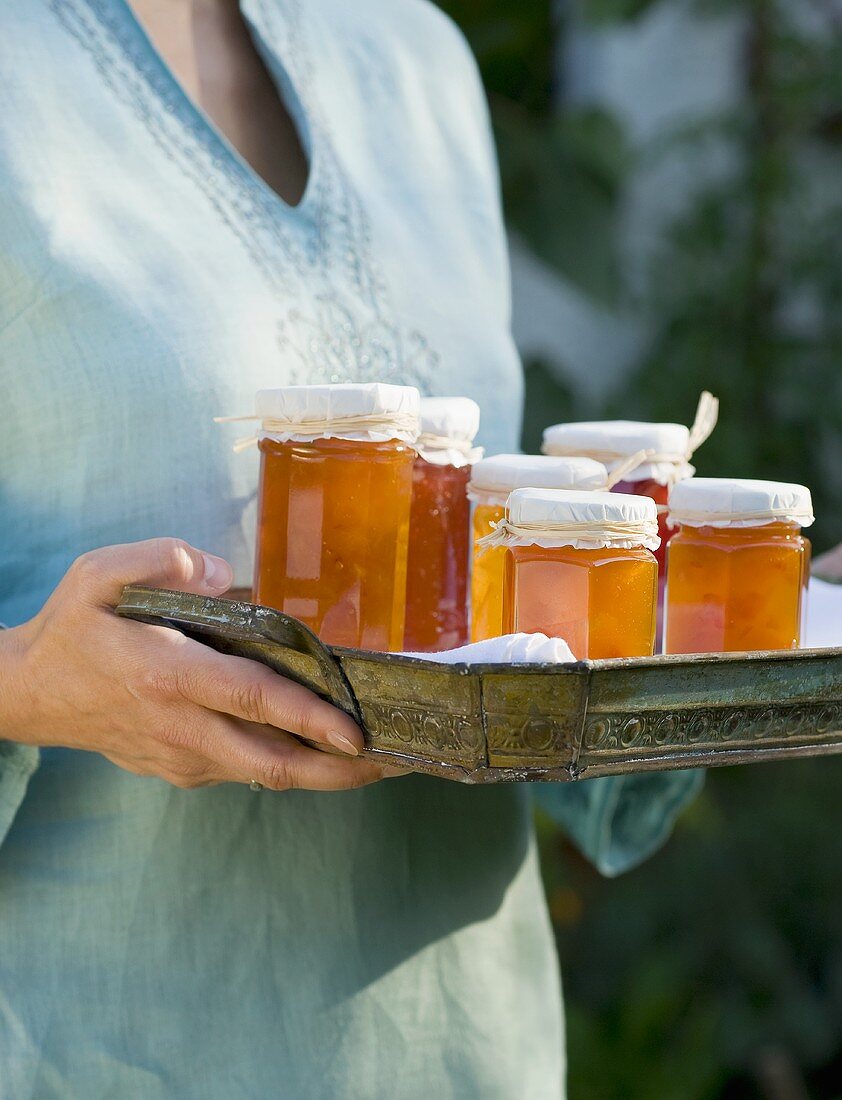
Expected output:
(716, 969)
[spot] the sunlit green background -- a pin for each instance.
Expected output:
(716, 969)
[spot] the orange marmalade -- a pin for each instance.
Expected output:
(333, 512)
(738, 581)
(579, 566)
(491, 482)
(439, 526)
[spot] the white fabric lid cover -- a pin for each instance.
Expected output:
(617, 438)
(571, 517)
(495, 477)
(611, 441)
(739, 502)
(448, 428)
(369, 411)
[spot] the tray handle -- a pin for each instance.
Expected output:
(209, 616)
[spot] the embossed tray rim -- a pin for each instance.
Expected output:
(530, 695)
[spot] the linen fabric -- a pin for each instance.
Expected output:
(577, 518)
(369, 411)
(514, 649)
(449, 426)
(739, 502)
(162, 944)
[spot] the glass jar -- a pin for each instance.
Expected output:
(580, 566)
(659, 492)
(439, 526)
(738, 566)
(333, 509)
(491, 482)
(668, 449)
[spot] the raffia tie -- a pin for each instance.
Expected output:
(616, 475)
(429, 441)
(707, 415)
(337, 426)
(631, 533)
(709, 519)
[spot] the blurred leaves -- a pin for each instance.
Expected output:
(514, 43)
(562, 173)
(562, 179)
(685, 972)
(613, 11)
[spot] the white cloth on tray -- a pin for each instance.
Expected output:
(514, 649)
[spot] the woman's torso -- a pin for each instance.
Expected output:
(156, 942)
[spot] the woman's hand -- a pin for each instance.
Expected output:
(157, 703)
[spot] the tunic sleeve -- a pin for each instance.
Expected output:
(17, 764)
(619, 821)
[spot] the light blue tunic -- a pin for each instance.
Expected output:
(156, 943)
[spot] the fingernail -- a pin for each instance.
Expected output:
(391, 772)
(339, 741)
(217, 572)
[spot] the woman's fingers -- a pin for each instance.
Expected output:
(242, 752)
(101, 575)
(253, 693)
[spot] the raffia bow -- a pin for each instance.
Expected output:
(585, 535)
(707, 415)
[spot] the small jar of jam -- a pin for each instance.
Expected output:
(580, 566)
(738, 566)
(333, 508)
(491, 482)
(667, 450)
(439, 526)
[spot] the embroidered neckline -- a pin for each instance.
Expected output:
(324, 243)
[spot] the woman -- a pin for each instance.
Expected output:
(200, 199)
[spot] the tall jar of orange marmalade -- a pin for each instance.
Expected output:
(439, 525)
(491, 482)
(580, 566)
(666, 450)
(738, 568)
(333, 508)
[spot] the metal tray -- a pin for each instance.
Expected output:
(492, 723)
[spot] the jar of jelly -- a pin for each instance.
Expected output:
(667, 449)
(491, 482)
(333, 508)
(439, 525)
(738, 567)
(580, 566)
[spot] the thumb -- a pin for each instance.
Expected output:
(164, 563)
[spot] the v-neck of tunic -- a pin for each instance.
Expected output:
(142, 49)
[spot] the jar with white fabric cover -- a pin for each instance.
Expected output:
(439, 525)
(738, 567)
(580, 566)
(333, 508)
(666, 450)
(491, 482)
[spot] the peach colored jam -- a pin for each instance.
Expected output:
(333, 527)
(601, 602)
(733, 589)
(660, 494)
(487, 576)
(437, 572)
